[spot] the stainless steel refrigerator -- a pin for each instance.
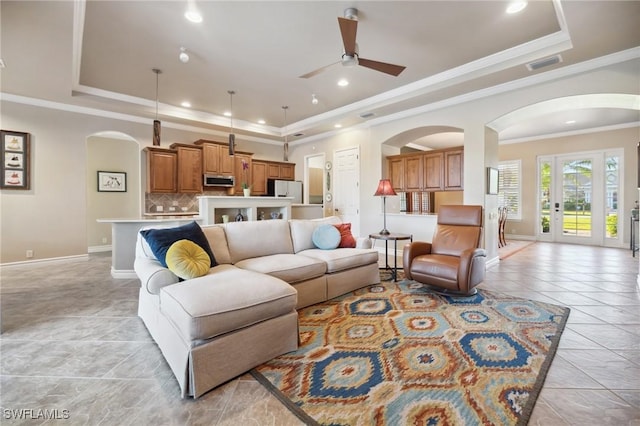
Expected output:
(285, 188)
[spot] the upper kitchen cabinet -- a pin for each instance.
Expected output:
(395, 170)
(412, 166)
(433, 172)
(189, 173)
(454, 167)
(277, 170)
(242, 176)
(215, 158)
(427, 172)
(259, 177)
(162, 167)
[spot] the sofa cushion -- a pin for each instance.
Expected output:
(230, 299)
(217, 240)
(326, 237)
(342, 259)
(257, 238)
(302, 231)
(160, 239)
(187, 260)
(288, 267)
(346, 237)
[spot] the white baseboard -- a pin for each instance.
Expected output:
(99, 249)
(122, 274)
(52, 259)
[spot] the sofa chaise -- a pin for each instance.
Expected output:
(242, 313)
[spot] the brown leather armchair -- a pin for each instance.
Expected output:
(452, 263)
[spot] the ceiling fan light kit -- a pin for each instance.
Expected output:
(183, 56)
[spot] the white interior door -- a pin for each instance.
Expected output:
(346, 184)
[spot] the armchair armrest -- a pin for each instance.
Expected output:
(471, 268)
(410, 251)
(153, 276)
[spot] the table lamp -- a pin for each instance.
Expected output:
(385, 189)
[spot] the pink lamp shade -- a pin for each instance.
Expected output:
(385, 188)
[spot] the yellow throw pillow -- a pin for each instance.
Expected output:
(187, 260)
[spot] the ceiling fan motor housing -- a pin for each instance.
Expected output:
(351, 13)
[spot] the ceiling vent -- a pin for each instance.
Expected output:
(552, 60)
(367, 114)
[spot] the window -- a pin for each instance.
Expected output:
(509, 194)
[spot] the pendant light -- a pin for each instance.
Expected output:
(156, 122)
(232, 137)
(286, 143)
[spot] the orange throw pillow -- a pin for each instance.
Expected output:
(346, 238)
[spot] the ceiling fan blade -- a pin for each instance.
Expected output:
(392, 69)
(348, 29)
(318, 71)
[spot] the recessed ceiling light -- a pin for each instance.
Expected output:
(516, 6)
(337, 126)
(2, 64)
(343, 82)
(261, 121)
(186, 104)
(227, 114)
(570, 122)
(193, 16)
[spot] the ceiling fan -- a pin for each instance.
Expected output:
(351, 57)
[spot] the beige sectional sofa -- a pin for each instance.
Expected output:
(241, 314)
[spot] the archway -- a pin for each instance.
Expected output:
(111, 152)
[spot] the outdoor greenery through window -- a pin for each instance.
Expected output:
(509, 195)
(612, 176)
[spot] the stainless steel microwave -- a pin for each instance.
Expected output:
(223, 181)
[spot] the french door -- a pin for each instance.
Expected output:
(578, 198)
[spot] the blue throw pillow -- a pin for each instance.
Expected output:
(162, 238)
(326, 237)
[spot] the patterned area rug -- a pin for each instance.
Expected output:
(396, 354)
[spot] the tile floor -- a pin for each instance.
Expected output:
(71, 341)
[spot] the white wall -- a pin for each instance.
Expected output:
(51, 218)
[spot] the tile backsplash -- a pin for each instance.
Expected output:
(169, 203)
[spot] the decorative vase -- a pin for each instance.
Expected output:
(247, 192)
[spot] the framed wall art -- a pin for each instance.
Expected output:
(16, 166)
(112, 181)
(492, 180)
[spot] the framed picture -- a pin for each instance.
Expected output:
(112, 181)
(15, 169)
(492, 180)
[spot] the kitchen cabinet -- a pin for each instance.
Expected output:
(277, 170)
(395, 172)
(162, 167)
(412, 166)
(454, 167)
(215, 158)
(242, 176)
(440, 170)
(259, 177)
(189, 170)
(433, 177)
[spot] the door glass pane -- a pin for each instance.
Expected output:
(576, 196)
(612, 179)
(545, 196)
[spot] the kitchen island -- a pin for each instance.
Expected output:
(217, 209)
(124, 232)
